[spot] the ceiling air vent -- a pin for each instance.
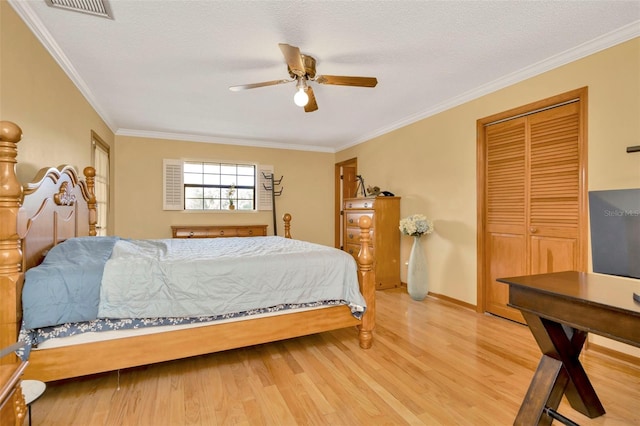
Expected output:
(92, 7)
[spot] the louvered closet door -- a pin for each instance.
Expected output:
(505, 215)
(533, 198)
(554, 224)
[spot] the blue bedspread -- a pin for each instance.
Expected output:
(65, 294)
(215, 276)
(65, 287)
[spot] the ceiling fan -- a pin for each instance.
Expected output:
(302, 69)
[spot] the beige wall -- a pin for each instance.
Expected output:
(307, 188)
(431, 164)
(36, 94)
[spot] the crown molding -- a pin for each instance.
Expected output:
(186, 137)
(24, 10)
(621, 35)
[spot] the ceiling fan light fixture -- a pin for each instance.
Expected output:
(301, 98)
(302, 70)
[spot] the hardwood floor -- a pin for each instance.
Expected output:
(432, 363)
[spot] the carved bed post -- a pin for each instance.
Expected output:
(10, 252)
(287, 225)
(367, 279)
(90, 179)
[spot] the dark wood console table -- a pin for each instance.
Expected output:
(561, 309)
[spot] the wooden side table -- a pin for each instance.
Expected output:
(32, 390)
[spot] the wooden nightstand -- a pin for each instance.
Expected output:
(218, 231)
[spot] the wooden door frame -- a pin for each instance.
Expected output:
(338, 196)
(97, 143)
(580, 95)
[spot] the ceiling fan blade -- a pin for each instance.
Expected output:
(311, 105)
(293, 58)
(255, 85)
(342, 80)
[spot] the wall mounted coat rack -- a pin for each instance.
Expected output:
(274, 194)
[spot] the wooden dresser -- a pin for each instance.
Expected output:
(217, 231)
(385, 235)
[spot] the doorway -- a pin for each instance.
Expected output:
(532, 195)
(346, 185)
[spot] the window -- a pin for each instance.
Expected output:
(207, 185)
(218, 186)
(101, 165)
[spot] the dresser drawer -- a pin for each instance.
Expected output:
(252, 231)
(353, 217)
(354, 249)
(359, 203)
(352, 236)
(222, 232)
(191, 233)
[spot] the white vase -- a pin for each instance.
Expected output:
(417, 285)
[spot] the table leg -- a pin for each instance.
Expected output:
(559, 372)
(546, 390)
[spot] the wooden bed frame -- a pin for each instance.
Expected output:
(57, 206)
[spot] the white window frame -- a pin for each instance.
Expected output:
(173, 185)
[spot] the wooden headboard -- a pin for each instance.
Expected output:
(34, 217)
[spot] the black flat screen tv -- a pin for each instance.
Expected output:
(615, 232)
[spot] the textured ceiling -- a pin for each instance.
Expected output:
(163, 68)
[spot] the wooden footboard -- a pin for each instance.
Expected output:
(58, 206)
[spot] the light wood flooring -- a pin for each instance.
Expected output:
(432, 363)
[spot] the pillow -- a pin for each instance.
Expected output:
(65, 287)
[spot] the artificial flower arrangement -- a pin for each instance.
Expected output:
(230, 193)
(416, 225)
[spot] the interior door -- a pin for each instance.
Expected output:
(534, 200)
(346, 185)
(506, 212)
(555, 190)
(349, 181)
